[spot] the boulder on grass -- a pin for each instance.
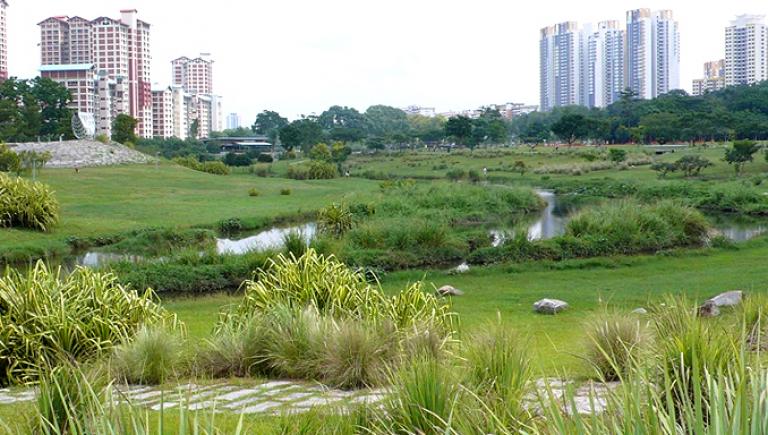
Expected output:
(640, 311)
(448, 290)
(550, 306)
(728, 299)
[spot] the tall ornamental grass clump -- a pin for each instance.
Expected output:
(631, 227)
(312, 317)
(613, 345)
(27, 204)
(152, 356)
(46, 317)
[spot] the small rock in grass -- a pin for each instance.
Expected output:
(550, 306)
(448, 290)
(640, 311)
(728, 299)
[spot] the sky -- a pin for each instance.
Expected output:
(299, 57)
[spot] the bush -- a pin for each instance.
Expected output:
(216, 168)
(69, 400)
(265, 158)
(295, 243)
(237, 160)
(27, 204)
(253, 192)
(617, 155)
(630, 227)
(103, 138)
(151, 357)
(262, 171)
(229, 226)
(9, 160)
(285, 192)
(322, 171)
(474, 176)
(335, 220)
(81, 316)
(613, 346)
(298, 172)
(456, 174)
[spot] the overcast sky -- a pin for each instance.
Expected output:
(301, 56)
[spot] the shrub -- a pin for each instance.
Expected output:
(9, 160)
(216, 168)
(81, 316)
(189, 162)
(298, 172)
(27, 204)
(295, 243)
(692, 165)
(238, 160)
(617, 155)
(631, 227)
(265, 158)
(613, 345)
(69, 400)
(103, 138)
(356, 355)
(322, 170)
(474, 176)
(456, 174)
(253, 192)
(232, 225)
(262, 171)
(285, 192)
(664, 168)
(151, 357)
(335, 220)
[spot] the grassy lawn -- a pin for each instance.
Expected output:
(499, 164)
(107, 201)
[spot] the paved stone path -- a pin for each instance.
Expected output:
(84, 153)
(289, 397)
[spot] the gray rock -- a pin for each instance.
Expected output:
(84, 153)
(728, 299)
(709, 309)
(640, 311)
(550, 306)
(448, 290)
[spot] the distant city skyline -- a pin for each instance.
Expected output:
(304, 57)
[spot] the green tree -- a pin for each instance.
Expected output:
(663, 168)
(741, 153)
(124, 129)
(692, 165)
(9, 160)
(460, 129)
(386, 121)
(340, 152)
(268, 123)
(343, 123)
(661, 127)
(571, 127)
(302, 133)
(194, 129)
(426, 129)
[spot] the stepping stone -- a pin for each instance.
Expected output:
(315, 401)
(277, 384)
(206, 394)
(262, 407)
(164, 405)
(144, 396)
(239, 394)
(296, 396)
(245, 402)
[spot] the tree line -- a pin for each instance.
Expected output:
(736, 113)
(34, 109)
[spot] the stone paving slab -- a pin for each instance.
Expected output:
(286, 397)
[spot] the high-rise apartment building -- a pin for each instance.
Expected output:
(561, 69)
(605, 64)
(233, 121)
(714, 78)
(194, 75)
(746, 50)
(652, 53)
(162, 113)
(3, 40)
(119, 49)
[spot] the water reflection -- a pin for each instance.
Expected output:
(552, 221)
(272, 239)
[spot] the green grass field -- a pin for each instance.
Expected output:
(108, 201)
